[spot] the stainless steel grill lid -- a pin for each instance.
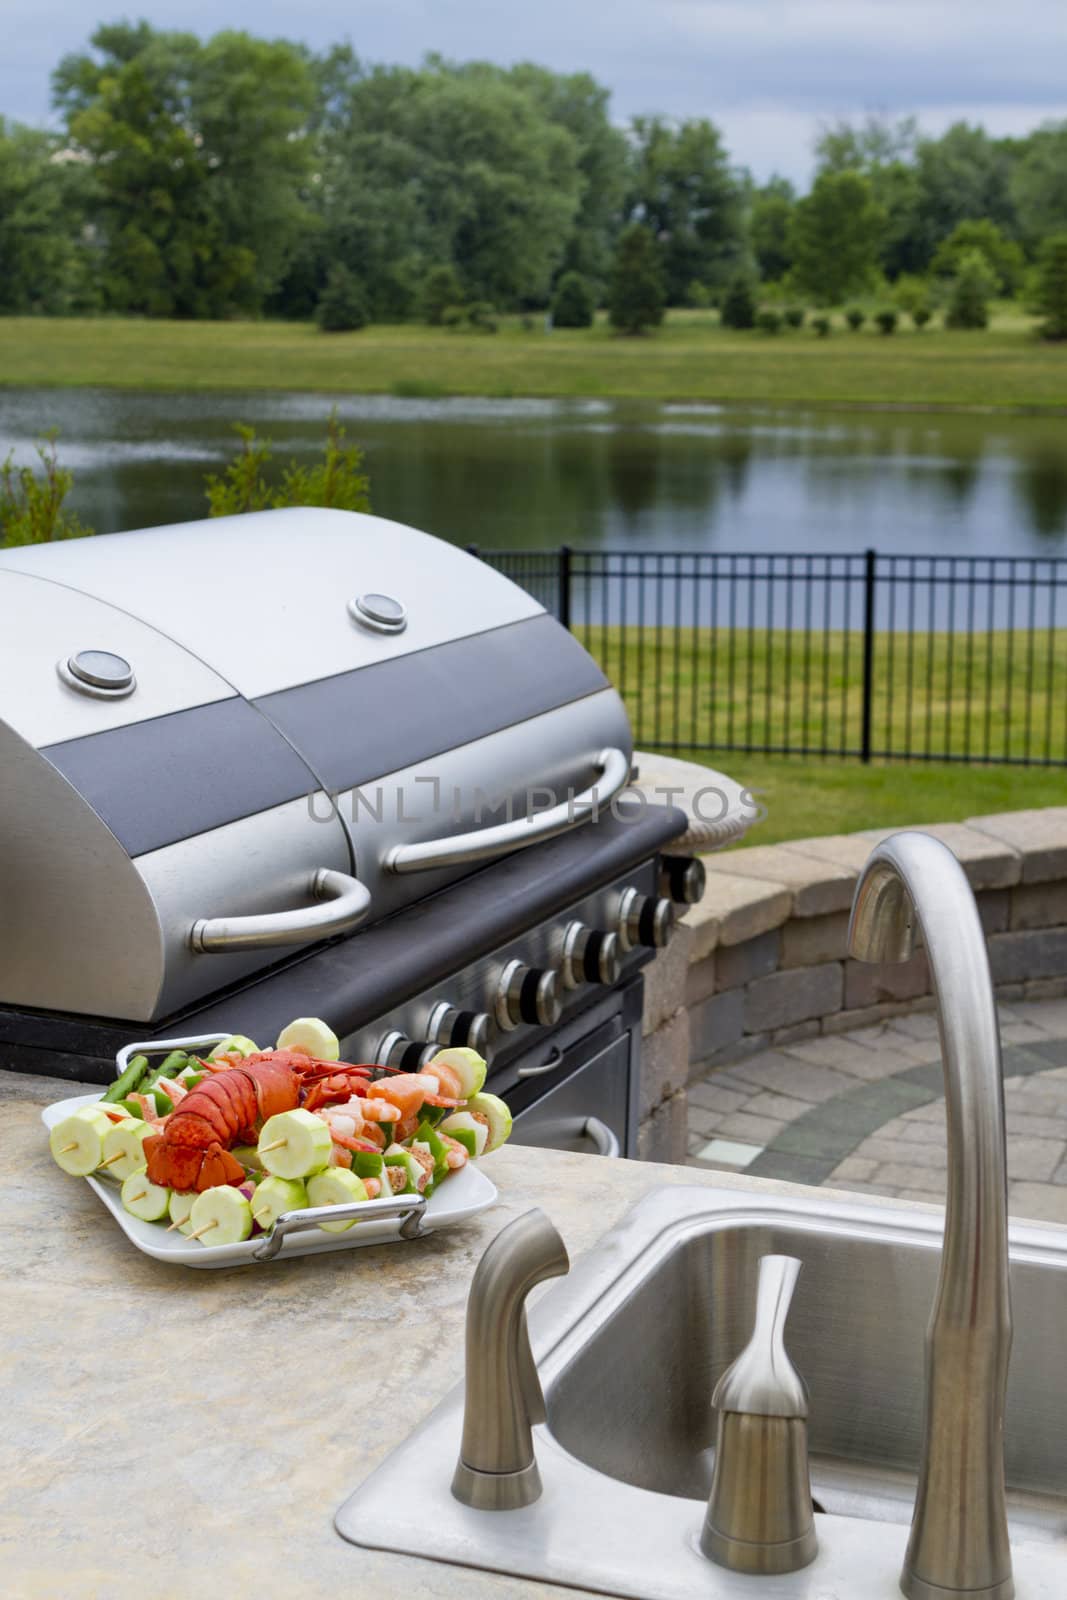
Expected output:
(224, 740)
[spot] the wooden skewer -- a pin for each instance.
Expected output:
(205, 1229)
(68, 1147)
(179, 1224)
(265, 1148)
(110, 1162)
(135, 1197)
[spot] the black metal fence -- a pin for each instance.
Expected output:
(901, 657)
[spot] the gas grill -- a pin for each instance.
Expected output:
(310, 762)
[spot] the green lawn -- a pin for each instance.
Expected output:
(691, 357)
(808, 797)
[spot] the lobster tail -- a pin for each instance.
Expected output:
(186, 1167)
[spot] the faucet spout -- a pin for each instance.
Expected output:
(497, 1469)
(959, 1534)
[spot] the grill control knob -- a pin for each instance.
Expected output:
(644, 920)
(682, 879)
(450, 1026)
(527, 994)
(397, 1050)
(588, 956)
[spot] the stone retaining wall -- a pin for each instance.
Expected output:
(763, 961)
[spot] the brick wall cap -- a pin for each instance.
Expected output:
(818, 886)
(989, 863)
(742, 907)
(1039, 835)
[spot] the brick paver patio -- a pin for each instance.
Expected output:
(865, 1111)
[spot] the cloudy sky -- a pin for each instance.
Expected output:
(767, 71)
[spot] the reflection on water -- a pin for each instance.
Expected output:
(539, 473)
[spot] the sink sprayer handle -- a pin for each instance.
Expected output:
(759, 1517)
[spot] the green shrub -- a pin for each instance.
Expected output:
(910, 291)
(573, 305)
(1051, 288)
(31, 507)
(822, 326)
(698, 296)
(341, 307)
(968, 306)
(855, 316)
(441, 288)
(1003, 257)
(768, 321)
(739, 302)
(921, 315)
(453, 317)
(636, 296)
(335, 481)
(886, 320)
(482, 315)
(794, 316)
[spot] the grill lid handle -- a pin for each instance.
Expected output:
(347, 903)
(484, 843)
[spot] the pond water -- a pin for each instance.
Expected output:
(538, 473)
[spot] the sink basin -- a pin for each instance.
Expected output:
(629, 1349)
(633, 1400)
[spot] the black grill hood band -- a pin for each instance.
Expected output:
(170, 778)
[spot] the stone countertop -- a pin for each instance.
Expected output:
(170, 1432)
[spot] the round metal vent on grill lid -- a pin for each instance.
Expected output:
(100, 673)
(380, 612)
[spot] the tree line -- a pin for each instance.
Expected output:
(238, 176)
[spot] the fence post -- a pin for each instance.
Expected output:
(565, 585)
(871, 558)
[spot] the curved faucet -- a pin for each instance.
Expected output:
(959, 1531)
(497, 1469)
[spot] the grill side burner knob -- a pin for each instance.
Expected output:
(527, 994)
(450, 1026)
(395, 1049)
(645, 920)
(588, 956)
(682, 879)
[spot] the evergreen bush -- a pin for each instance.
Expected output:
(739, 302)
(441, 288)
(341, 307)
(636, 297)
(968, 305)
(573, 305)
(1051, 295)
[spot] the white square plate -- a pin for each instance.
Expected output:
(463, 1195)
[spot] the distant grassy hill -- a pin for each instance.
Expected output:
(691, 357)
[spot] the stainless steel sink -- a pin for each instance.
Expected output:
(629, 1349)
(633, 1400)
